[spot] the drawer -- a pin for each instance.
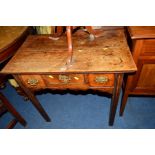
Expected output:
(148, 47)
(63, 79)
(99, 80)
(33, 81)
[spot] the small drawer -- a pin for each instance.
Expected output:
(99, 80)
(148, 47)
(59, 79)
(33, 81)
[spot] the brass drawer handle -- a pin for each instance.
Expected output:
(33, 82)
(64, 78)
(101, 79)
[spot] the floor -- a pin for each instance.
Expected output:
(81, 111)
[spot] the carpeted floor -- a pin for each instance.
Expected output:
(81, 111)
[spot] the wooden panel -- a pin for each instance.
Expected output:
(40, 54)
(148, 47)
(147, 76)
(98, 80)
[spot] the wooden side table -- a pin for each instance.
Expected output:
(100, 64)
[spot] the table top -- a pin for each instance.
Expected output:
(40, 54)
(140, 32)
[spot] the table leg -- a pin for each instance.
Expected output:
(125, 95)
(34, 100)
(12, 110)
(123, 102)
(115, 97)
(12, 124)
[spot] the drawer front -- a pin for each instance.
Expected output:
(63, 79)
(101, 80)
(33, 81)
(148, 47)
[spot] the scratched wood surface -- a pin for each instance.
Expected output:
(109, 52)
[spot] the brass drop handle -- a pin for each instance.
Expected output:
(101, 79)
(64, 78)
(33, 82)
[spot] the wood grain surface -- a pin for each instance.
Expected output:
(39, 54)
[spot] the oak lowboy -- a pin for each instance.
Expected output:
(41, 63)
